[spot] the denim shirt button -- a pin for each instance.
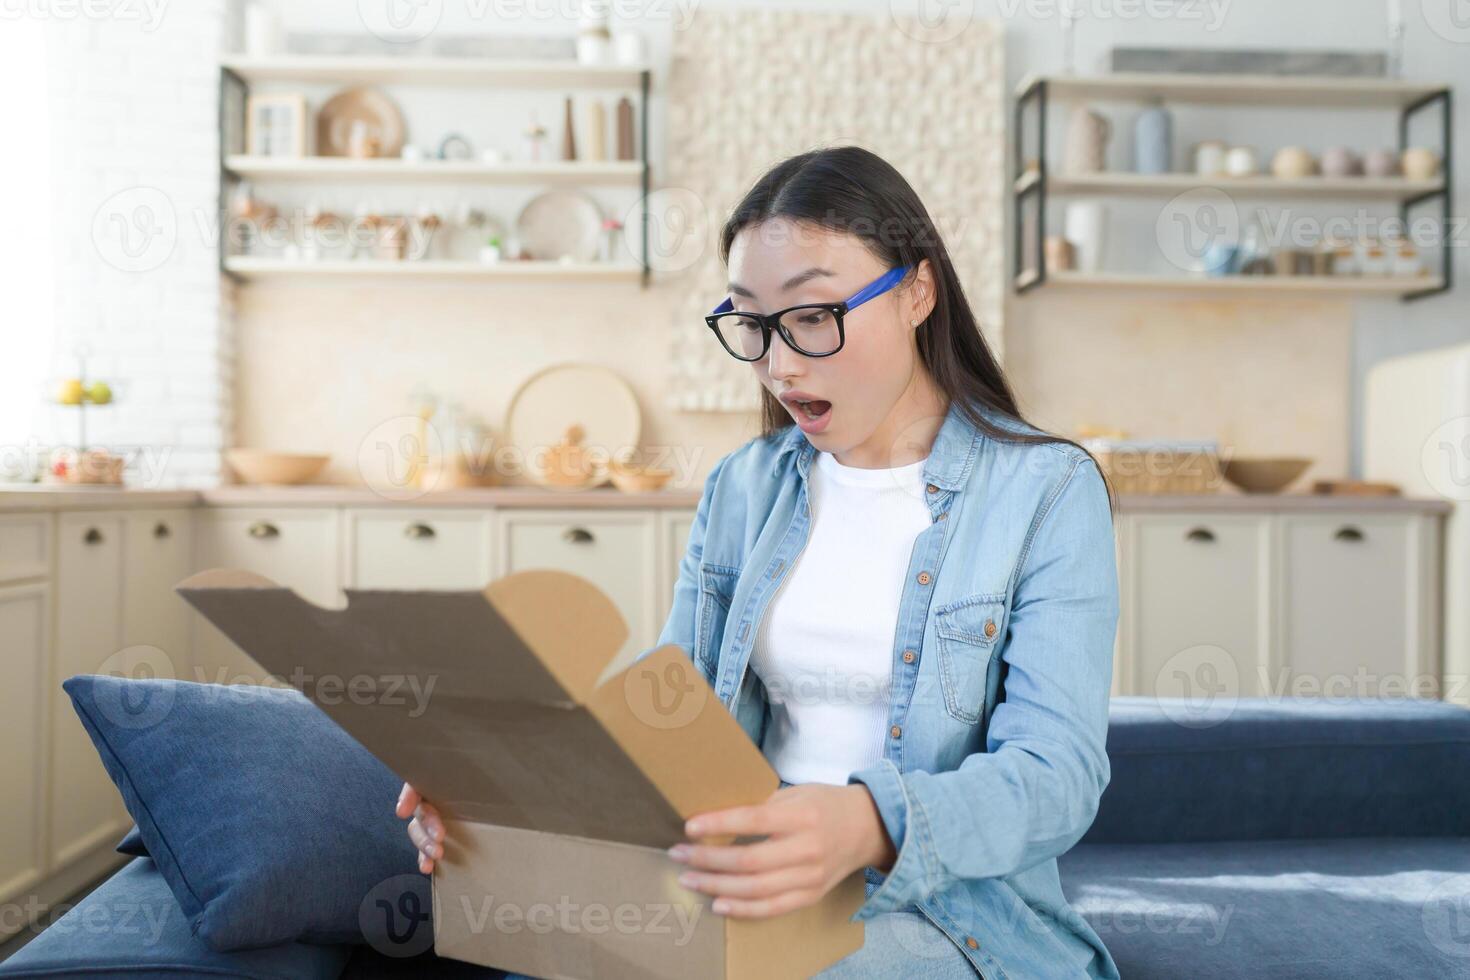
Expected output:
(895, 731)
(908, 656)
(923, 578)
(972, 942)
(932, 488)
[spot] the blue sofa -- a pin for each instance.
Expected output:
(1258, 838)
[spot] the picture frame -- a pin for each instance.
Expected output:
(275, 125)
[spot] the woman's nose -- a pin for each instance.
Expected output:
(782, 361)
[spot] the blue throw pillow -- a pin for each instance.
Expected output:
(132, 843)
(268, 821)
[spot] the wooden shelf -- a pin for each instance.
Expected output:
(1264, 285)
(255, 268)
(1257, 90)
(507, 73)
(1258, 185)
(345, 169)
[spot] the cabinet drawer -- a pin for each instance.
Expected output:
(1350, 624)
(616, 551)
(25, 612)
(418, 550)
(159, 554)
(1196, 605)
(294, 548)
(25, 546)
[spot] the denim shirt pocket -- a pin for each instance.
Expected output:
(969, 633)
(716, 590)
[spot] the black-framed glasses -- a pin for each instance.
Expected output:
(813, 329)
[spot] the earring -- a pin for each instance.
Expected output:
(913, 323)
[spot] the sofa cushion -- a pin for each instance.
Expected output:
(130, 926)
(1306, 909)
(1262, 768)
(132, 844)
(268, 821)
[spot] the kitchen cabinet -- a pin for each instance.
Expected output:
(158, 553)
(85, 808)
(294, 547)
(1359, 611)
(1194, 604)
(1216, 606)
(406, 549)
(614, 550)
(25, 612)
(25, 546)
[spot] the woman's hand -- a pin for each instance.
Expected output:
(816, 835)
(426, 830)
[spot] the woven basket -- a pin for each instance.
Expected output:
(1160, 470)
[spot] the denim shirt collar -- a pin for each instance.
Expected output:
(948, 465)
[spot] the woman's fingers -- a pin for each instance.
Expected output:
(766, 885)
(421, 839)
(766, 855)
(408, 800)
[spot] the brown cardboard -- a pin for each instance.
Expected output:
(560, 793)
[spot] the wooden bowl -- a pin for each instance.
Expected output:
(264, 466)
(1265, 474)
(631, 478)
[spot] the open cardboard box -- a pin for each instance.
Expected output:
(561, 788)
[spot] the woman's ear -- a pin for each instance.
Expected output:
(919, 296)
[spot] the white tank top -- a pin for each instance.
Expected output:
(825, 649)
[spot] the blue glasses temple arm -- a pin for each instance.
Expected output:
(877, 287)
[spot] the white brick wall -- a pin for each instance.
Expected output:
(134, 127)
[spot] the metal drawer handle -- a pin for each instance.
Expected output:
(263, 529)
(418, 532)
(1348, 533)
(160, 530)
(577, 535)
(93, 536)
(1203, 534)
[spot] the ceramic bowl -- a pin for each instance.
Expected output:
(1265, 474)
(264, 466)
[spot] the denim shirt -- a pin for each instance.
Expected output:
(1002, 665)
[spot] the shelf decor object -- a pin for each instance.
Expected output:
(239, 74)
(1423, 183)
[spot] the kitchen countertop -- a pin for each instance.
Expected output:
(22, 497)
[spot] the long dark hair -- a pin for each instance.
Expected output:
(850, 189)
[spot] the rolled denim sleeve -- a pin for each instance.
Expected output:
(679, 627)
(1034, 791)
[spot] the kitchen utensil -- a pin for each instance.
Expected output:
(1088, 133)
(568, 131)
(632, 478)
(1209, 158)
(1240, 161)
(1085, 226)
(1060, 255)
(1381, 162)
(1339, 161)
(1265, 474)
(1356, 488)
(553, 400)
(625, 129)
(1153, 140)
(380, 117)
(1292, 162)
(265, 466)
(560, 224)
(1420, 163)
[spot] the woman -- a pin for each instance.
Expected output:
(906, 595)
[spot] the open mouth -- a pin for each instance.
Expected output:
(814, 409)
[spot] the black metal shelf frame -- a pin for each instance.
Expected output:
(1035, 97)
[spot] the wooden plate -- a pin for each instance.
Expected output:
(368, 105)
(563, 395)
(560, 225)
